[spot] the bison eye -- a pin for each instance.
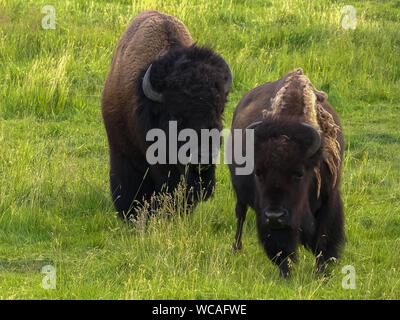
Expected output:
(258, 173)
(298, 175)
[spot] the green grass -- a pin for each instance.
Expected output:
(55, 206)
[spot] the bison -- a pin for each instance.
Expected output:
(159, 75)
(294, 188)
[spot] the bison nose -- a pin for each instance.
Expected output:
(276, 219)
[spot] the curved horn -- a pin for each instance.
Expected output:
(229, 78)
(316, 142)
(253, 125)
(148, 90)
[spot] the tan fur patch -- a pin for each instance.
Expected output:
(312, 112)
(318, 177)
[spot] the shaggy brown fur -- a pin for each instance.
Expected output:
(294, 193)
(299, 98)
(150, 35)
(193, 83)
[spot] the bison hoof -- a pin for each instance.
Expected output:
(284, 273)
(320, 268)
(236, 246)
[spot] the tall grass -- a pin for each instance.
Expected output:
(55, 206)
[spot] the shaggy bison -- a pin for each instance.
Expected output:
(159, 75)
(294, 188)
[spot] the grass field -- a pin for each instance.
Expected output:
(55, 205)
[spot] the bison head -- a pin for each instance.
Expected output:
(189, 85)
(286, 153)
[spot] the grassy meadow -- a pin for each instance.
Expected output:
(55, 204)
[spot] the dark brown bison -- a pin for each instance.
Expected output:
(158, 75)
(294, 188)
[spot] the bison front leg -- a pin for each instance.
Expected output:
(240, 210)
(330, 232)
(280, 246)
(284, 266)
(127, 186)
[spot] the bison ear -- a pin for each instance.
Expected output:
(321, 95)
(316, 140)
(148, 89)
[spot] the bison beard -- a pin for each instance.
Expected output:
(295, 186)
(159, 75)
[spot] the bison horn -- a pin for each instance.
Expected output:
(253, 125)
(228, 79)
(148, 90)
(316, 141)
